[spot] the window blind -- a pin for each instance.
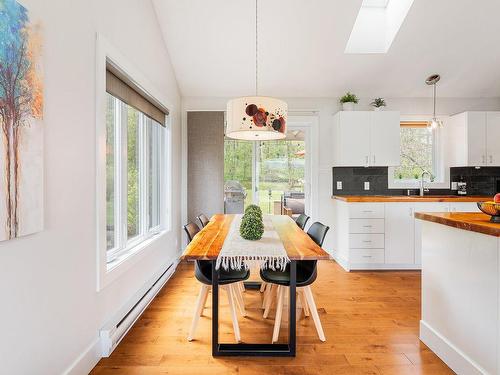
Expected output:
(124, 91)
(413, 124)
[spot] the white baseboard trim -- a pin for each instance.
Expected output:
(87, 360)
(449, 353)
(117, 327)
(384, 267)
(348, 266)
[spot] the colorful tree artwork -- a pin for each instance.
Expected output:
(21, 109)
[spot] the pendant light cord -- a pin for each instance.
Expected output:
(434, 100)
(256, 50)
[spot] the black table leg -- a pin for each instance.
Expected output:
(292, 324)
(215, 310)
(255, 350)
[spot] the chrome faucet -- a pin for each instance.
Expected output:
(423, 189)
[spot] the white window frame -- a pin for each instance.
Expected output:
(113, 263)
(124, 245)
(442, 178)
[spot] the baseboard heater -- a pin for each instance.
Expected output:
(113, 333)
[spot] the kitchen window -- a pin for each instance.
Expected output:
(135, 169)
(420, 151)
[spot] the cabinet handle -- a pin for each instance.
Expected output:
(491, 159)
(484, 159)
(373, 159)
(367, 226)
(367, 211)
(366, 160)
(367, 256)
(411, 211)
(367, 241)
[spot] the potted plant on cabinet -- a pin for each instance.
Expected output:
(348, 101)
(378, 104)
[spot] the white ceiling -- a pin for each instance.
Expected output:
(301, 49)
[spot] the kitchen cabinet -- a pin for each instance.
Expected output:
(383, 235)
(399, 233)
(476, 138)
(473, 139)
(366, 138)
(464, 207)
(385, 139)
(425, 207)
(492, 138)
(352, 138)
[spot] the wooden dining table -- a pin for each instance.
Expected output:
(207, 244)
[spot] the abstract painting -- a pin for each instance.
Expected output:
(21, 130)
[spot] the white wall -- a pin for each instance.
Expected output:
(51, 312)
(326, 108)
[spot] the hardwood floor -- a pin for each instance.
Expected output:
(370, 321)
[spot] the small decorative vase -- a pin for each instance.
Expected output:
(349, 106)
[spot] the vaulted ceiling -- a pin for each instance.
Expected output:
(301, 49)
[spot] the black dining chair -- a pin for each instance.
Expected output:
(203, 273)
(302, 220)
(307, 272)
(203, 220)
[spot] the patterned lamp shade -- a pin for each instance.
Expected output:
(256, 118)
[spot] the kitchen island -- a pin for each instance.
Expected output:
(460, 319)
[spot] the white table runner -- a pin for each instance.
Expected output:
(238, 253)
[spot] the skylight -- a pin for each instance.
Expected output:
(377, 25)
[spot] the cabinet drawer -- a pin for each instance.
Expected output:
(366, 210)
(366, 226)
(366, 256)
(366, 241)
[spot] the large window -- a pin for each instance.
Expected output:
(135, 164)
(418, 153)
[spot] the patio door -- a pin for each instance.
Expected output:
(270, 172)
(281, 173)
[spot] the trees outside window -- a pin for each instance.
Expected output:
(280, 168)
(135, 163)
(418, 154)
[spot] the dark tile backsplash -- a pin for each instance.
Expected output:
(482, 181)
(353, 180)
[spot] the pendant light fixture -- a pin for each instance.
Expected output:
(434, 123)
(256, 118)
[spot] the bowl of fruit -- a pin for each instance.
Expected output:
(491, 208)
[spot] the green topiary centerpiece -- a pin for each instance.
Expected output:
(253, 209)
(252, 226)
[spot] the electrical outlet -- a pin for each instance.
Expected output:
(339, 185)
(454, 185)
(367, 185)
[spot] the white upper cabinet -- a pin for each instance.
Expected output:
(385, 139)
(473, 138)
(476, 138)
(493, 138)
(351, 138)
(366, 138)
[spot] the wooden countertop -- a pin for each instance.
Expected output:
(474, 222)
(411, 198)
(207, 244)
